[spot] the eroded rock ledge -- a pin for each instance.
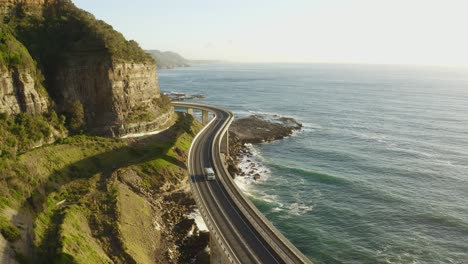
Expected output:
(257, 129)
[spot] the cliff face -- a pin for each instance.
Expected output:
(137, 99)
(85, 62)
(18, 93)
(21, 90)
(118, 97)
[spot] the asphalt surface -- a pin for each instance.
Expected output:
(235, 228)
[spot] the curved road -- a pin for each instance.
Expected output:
(240, 230)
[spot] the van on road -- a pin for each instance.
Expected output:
(210, 175)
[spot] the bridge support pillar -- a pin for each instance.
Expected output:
(190, 111)
(205, 117)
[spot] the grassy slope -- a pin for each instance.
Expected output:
(81, 205)
(136, 224)
(77, 239)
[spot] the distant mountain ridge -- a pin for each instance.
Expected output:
(168, 59)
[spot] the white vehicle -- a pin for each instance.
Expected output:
(210, 175)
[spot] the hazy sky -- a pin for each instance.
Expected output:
(356, 31)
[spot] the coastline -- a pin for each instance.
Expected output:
(245, 163)
(369, 145)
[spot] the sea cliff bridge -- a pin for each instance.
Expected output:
(239, 232)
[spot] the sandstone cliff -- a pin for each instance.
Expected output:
(85, 62)
(18, 93)
(118, 97)
(21, 90)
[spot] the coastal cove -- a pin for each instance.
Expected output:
(349, 187)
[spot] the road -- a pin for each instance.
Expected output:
(243, 233)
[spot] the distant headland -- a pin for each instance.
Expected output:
(171, 60)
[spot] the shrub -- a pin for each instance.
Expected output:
(77, 121)
(19, 133)
(9, 231)
(12, 52)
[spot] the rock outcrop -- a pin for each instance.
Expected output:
(21, 90)
(256, 129)
(18, 92)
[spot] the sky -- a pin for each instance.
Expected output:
(424, 32)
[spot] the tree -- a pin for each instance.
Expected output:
(76, 116)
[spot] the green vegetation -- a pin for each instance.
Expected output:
(65, 29)
(77, 238)
(140, 114)
(136, 224)
(76, 116)
(15, 56)
(81, 189)
(168, 161)
(12, 52)
(9, 231)
(164, 103)
(79, 194)
(96, 31)
(21, 132)
(136, 117)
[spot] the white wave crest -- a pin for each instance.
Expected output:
(195, 215)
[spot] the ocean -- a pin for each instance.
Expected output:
(379, 174)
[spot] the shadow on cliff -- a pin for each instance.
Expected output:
(137, 151)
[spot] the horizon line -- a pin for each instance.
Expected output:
(332, 62)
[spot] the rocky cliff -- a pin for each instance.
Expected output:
(86, 63)
(18, 93)
(21, 90)
(118, 97)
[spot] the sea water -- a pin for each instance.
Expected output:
(379, 174)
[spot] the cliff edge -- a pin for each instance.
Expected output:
(90, 70)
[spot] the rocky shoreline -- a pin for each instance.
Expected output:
(178, 96)
(255, 129)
